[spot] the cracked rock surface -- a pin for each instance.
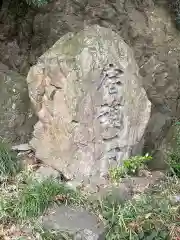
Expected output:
(92, 108)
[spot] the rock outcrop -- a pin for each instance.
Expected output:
(92, 109)
(16, 117)
(147, 26)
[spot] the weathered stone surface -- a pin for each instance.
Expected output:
(16, 118)
(159, 139)
(147, 26)
(125, 189)
(76, 221)
(166, 147)
(46, 172)
(92, 109)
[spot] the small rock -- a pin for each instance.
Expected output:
(46, 172)
(76, 221)
(22, 147)
(122, 192)
(74, 184)
(23, 153)
(141, 184)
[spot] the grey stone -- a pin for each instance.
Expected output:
(121, 192)
(16, 117)
(22, 147)
(46, 172)
(74, 184)
(85, 127)
(126, 188)
(76, 221)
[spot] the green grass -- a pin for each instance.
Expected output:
(24, 201)
(35, 198)
(9, 162)
(149, 216)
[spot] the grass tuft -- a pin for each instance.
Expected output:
(9, 162)
(22, 201)
(36, 197)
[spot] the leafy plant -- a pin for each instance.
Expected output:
(9, 162)
(129, 167)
